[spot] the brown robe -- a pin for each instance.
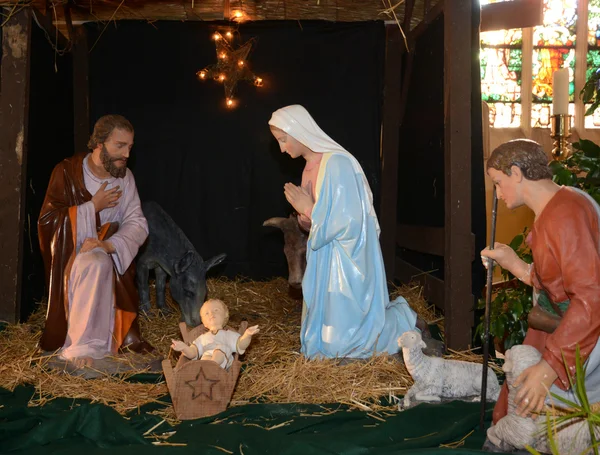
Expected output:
(564, 242)
(67, 190)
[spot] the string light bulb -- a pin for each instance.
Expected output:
(222, 77)
(201, 74)
(241, 63)
(230, 103)
(228, 35)
(238, 14)
(223, 55)
(258, 82)
(217, 36)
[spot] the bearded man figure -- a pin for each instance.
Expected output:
(88, 244)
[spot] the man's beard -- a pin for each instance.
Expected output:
(109, 164)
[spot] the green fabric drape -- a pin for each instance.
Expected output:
(67, 426)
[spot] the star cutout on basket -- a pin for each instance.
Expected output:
(231, 67)
(201, 384)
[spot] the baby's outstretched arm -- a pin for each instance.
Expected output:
(191, 352)
(246, 338)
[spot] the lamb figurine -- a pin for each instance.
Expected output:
(512, 431)
(436, 378)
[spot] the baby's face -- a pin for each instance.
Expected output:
(212, 315)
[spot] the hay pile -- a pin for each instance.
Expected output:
(274, 370)
(21, 362)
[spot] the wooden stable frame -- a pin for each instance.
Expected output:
(455, 242)
(14, 114)
(216, 10)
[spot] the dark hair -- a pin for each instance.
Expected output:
(527, 155)
(105, 126)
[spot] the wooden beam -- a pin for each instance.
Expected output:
(45, 21)
(433, 288)
(68, 20)
(14, 113)
(428, 19)
(409, 6)
(226, 10)
(81, 90)
(426, 239)
(390, 146)
(513, 14)
(342, 10)
(457, 164)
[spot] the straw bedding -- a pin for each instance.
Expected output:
(273, 370)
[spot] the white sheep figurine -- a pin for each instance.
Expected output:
(436, 378)
(513, 432)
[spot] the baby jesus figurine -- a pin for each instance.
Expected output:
(217, 344)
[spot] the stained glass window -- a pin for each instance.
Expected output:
(593, 55)
(553, 49)
(552, 46)
(501, 67)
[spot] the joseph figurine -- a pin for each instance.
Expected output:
(91, 227)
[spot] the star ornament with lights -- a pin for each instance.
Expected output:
(231, 67)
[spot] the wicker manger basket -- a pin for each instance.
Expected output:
(200, 388)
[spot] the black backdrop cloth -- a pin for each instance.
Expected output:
(219, 172)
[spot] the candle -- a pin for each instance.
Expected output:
(560, 89)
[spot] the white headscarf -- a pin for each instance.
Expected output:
(298, 123)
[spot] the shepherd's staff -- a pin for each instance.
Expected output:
(488, 304)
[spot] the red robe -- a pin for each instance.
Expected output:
(564, 242)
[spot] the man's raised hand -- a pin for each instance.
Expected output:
(106, 198)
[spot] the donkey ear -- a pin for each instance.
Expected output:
(184, 263)
(215, 260)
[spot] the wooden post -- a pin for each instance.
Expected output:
(14, 113)
(390, 147)
(457, 164)
(227, 10)
(81, 90)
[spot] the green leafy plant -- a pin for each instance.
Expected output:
(581, 169)
(511, 303)
(590, 93)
